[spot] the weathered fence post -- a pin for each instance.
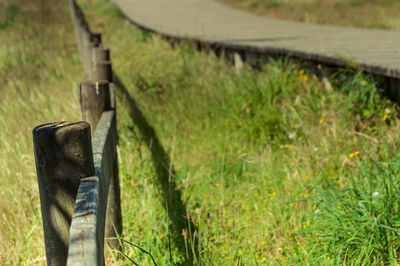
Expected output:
(102, 70)
(95, 99)
(100, 54)
(89, 41)
(63, 154)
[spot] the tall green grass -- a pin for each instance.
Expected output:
(358, 224)
(272, 166)
(259, 157)
(39, 66)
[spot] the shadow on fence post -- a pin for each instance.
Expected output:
(63, 155)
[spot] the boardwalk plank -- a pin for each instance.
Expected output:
(377, 51)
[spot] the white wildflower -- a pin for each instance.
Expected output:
(317, 211)
(375, 194)
(292, 135)
(39, 259)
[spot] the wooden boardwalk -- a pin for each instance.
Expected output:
(375, 51)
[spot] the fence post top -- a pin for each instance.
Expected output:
(63, 125)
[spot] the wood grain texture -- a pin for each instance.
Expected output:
(89, 41)
(109, 162)
(94, 98)
(87, 238)
(88, 224)
(100, 54)
(102, 70)
(63, 154)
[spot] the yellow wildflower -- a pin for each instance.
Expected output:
(385, 117)
(306, 196)
(351, 155)
(319, 66)
(321, 120)
(263, 259)
(305, 78)
(287, 146)
(272, 194)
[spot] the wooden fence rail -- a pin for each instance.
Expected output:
(89, 218)
(78, 178)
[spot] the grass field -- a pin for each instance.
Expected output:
(39, 66)
(272, 166)
(357, 13)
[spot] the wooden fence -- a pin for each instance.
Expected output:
(77, 164)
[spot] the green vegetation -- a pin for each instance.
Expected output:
(273, 167)
(357, 13)
(39, 67)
